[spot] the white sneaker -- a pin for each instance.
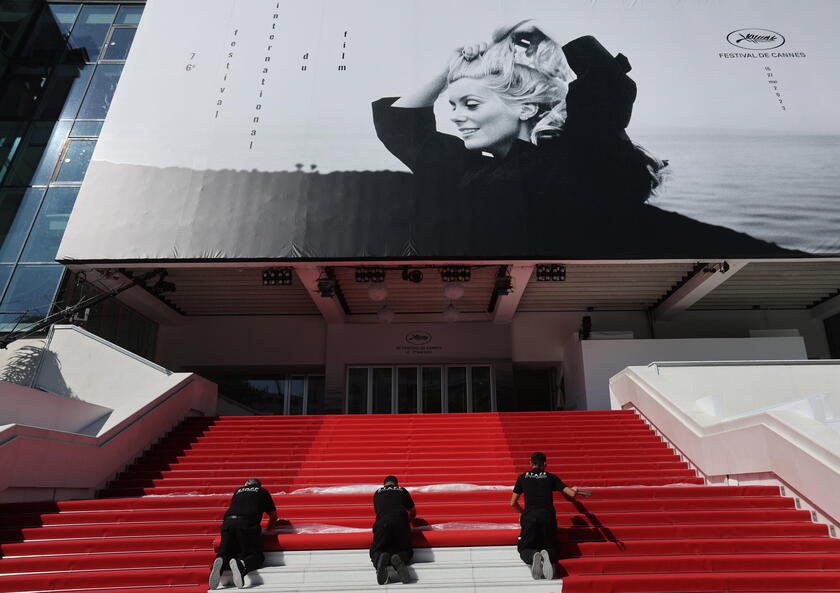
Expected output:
(238, 573)
(215, 573)
(547, 565)
(536, 566)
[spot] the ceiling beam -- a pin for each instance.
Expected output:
(331, 308)
(706, 279)
(827, 308)
(136, 297)
(507, 304)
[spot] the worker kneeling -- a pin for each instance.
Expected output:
(392, 530)
(240, 550)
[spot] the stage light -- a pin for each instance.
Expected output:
(503, 286)
(551, 273)
(455, 273)
(277, 277)
(377, 292)
(370, 274)
(453, 290)
(326, 287)
(385, 314)
(414, 275)
(450, 313)
(585, 327)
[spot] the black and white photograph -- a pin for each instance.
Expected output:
(578, 130)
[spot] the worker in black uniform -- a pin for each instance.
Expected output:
(240, 550)
(538, 520)
(392, 530)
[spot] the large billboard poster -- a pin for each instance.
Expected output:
(580, 129)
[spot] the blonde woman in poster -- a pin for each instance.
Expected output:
(544, 162)
(527, 130)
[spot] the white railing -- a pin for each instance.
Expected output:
(95, 408)
(747, 421)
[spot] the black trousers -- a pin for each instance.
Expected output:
(538, 531)
(392, 535)
(241, 540)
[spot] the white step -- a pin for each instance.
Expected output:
(457, 570)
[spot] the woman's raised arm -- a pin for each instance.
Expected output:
(426, 95)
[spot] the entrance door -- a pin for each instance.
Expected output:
(427, 389)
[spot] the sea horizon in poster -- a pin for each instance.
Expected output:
(244, 131)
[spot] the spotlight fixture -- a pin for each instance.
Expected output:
(503, 286)
(585, 327)
(414, 275)
(551, 273)
(377, 292)
(455, 273)
(326, 287)
(722, 267)
(277, 277)
(370, 274)
(161, 286)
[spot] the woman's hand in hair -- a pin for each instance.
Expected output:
(472, 51)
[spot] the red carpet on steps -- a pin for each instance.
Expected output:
(650, 525)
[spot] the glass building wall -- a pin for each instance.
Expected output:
(59, 67)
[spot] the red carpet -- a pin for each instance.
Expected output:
(650, 525)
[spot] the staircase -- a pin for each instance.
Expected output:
(651, 525)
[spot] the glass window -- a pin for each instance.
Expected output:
(407, 390)
(17, 211)
(47, 41)
(100, 92)
(91, 28)
(64, 92)
(86, 128)
(357, 384)
(119, 44)
(75, 161)
(14, 18)
(456, 389)
(129, 15)
(381, 391)
(35, 161)
(30, 293)
(46, 234)
(481, 389)
(261, 395)
(316, 392)
(432, 390)
(65, 16)
(296, 391)
(5, 272)
(11, 135)
(22, 87)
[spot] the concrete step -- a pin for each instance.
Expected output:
(459, 570)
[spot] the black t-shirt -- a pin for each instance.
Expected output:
(251, 502)
(537, 485)
(392, 500)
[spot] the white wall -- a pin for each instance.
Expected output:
(604, 358)
(242, 341)
(22, 405)
(737, 324)
(78, 365)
